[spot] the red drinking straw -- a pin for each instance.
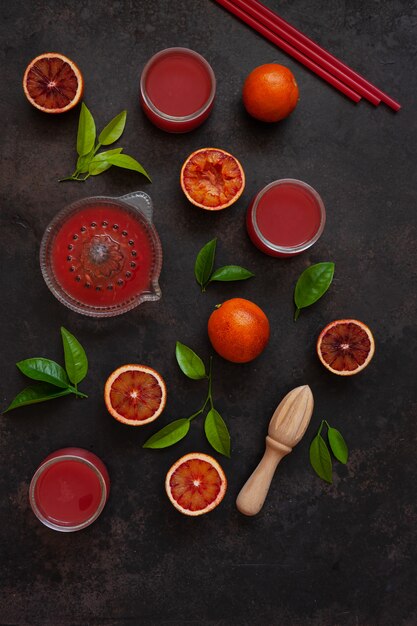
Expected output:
(252, 9)
(289, 49)
(313, 47)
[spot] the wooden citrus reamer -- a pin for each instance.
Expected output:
(287, 426)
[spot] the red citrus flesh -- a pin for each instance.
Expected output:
(196, 484)
(135, 394)
(345, 347)
(53, 83)
(212, 179)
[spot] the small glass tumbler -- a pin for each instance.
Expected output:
(69, 489)
(285, 218)
(177, 89)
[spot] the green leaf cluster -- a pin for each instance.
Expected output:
(214, 426)
(54, 380)
(92, 163)
(312, 285)
(320, 458)
(204, 263)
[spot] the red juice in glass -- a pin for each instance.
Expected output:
(101, 257)
(177, 89)
(69, 489)
(286, 218)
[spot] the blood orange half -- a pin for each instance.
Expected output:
(212, 179)
(53, 83)
(196, 484)
(135, 394)
(345, 347)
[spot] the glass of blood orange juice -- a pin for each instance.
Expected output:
(285, 218)
(69, 489)
(177, 89)
(102, 256)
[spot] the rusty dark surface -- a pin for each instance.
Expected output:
(322, 555)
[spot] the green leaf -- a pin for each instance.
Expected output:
(338, 445)
(100, 162)
(76, 362)
(45, 370)
(190, 363)
(35, 394)
(128, 163)
(217, 433)
(86, 132)
(320, 458)
(312, 285)
(114, 129)
(204, 262)
(104, 156)
(84, 161)
(230, 272)
(170, 434)
(98, 167)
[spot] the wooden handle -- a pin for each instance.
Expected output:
(253, 493)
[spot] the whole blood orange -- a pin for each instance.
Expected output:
(196, 484)
(212, 179)
(53, 83)
(270, 92)
(135, 394)
(238, 330)
(345, 347)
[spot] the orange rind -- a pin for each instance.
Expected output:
(53, 83)
(212, 179)
(195, 484)
(135, 394)
(346, 347)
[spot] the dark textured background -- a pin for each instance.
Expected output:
(318, 554)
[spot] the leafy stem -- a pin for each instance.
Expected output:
(214, 426)
(320, 458)
(72, 177)
(199, 412)
(92, 163)
(209, 397)
(77, 393)
(53, 381)
(76, 177)
(203, 268)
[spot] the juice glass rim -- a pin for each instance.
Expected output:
(166, 116)
(69, 301)
(299, 247)
(37, 510)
